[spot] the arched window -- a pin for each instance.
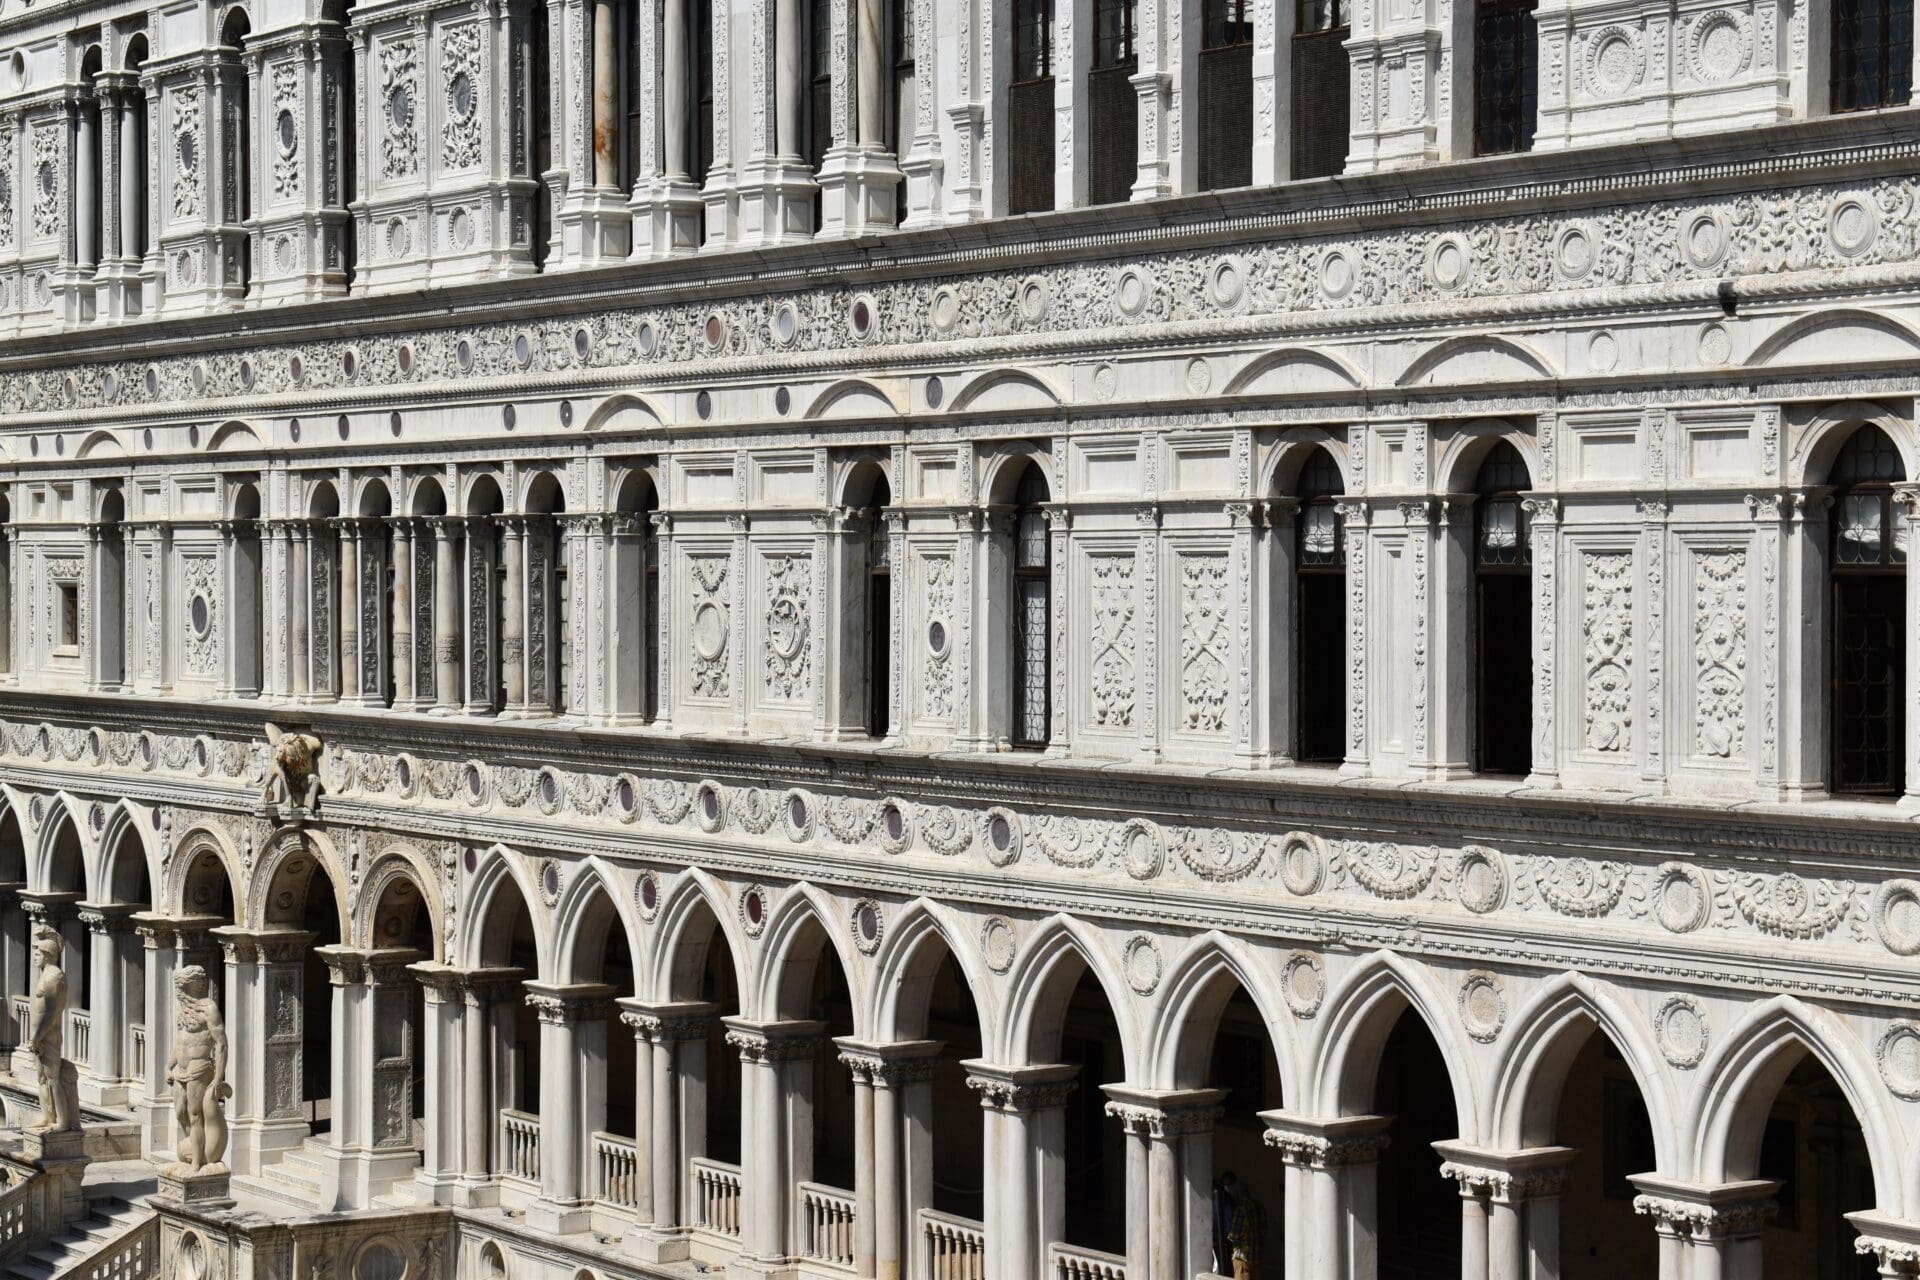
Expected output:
(110, 631)
(900, 32)
(1506, 63)
(1503, 615)
(1113, 105)
(1029, 137)
(346, 103)
(90, 147)
(1872, 54)
(237, 163)
(1320, 615)
(6, 586)
(133, 164)
(1869, 608)
(1226, 94)
(1031, 614)
(539, 125)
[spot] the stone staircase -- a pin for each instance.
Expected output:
(298, 1180)
(108, 1220)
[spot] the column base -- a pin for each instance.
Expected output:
(595, 228)
(252, 1145)
(649, 1244)
(73, 301)
(467, 1192)
(116, 289)
(558, 1219)
(667, 218)
(108, 1094)
(923, 170)
(859, 192)
(776, 202)
(205, 1188)
(721, 202)
(761, 1269)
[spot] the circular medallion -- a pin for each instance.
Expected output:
(784, 323)
(1703, 240)
(1199, 375)
(1719, 46)
(1615, 60)
(1448, 264)
(868, 926)
(1574, 253)
(200, 614)
(522, 350)
(1105, 382)
(797, 814)
(1852, 225)
(547, 791)
(709, 631)
(460, 94)
(1304, 980)
(550, 881)
(710, 806)
(860, 316)
(647, 340)
(463, 355)
(1033, 299)
(460, 229)
(996, 943)
(1132, 291)
(1713, 344)
(937, 638)
(1682, 897)
(1603, 352)
(1141, 961)
(753, 910)
(289, 134)
(1481, 880)
(1227, 281)
(1898, 1054)
(1680, 1026)
(1337, 275)
(400, 107)
(476, 779)
(896, 828)
(1303, 863)
(1145, 849)
(944, 309)
(1483, 1006)
(582, 343)
(715, 332)
(399, 238)
(1896, 916)
(1000, 832)
(646, 895)
(626, 797)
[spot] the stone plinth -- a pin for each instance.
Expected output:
(202, 1188)
(61, 1155)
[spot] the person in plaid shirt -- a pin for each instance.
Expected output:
(1246, 1227)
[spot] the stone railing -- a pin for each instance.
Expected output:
(716, 1197)
(22, 1019)
(1070, 1262)
(137, 1051)
(21, 1225)
(520, 1147)
(79, 1037)
(826, 1224)
(134, 1256)
(614, 1171)
(952, 1247)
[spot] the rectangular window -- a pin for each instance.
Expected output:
(1029, 134)
(67, 616)
(1226, 94)
(820, 82)
(1113, 105)
(1506, 77)
(1872, 54)
(1322, 101)
(1030, 658)
(903, 87)
(1113, 33)
(701, 37)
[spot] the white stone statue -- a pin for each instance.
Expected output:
(293, 767)
(59, 1079)
(198, 1073)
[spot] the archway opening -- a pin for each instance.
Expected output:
(637, 603)
(1319, 614)
(129, 891)
(249, 595)
(601, 953)
(1419, 1211)
(66, 885)
(1247, 1191)
(1503, 615)
(1601, 1116)
(110, 630)
(1094, 1172)
(935, 1003)
(1867, 571)
(547, 604)
(13, 919)
(484, 691)
(507, 942)
(402, 927)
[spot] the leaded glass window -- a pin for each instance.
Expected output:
(1031, 609)
(1506, 76)
(1872, 54)
(1320, 614)
(1868, 624)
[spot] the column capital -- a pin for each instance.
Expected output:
(1893, 1242)
(477, 987)
(1505, 1177)
(774, 1041)
(1706, 1213)
(668, 1021)
(890, 1064)
(1021, 1089)
(105, 917)
(49, 906)
(1164, 1113)
(274, 946)
(157, 929)
(1329, 1143)
(576, 1002)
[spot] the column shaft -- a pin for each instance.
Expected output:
(789, 78)
(889, 1233)
(86, 188)
(606, 91)
(446, 620)
(871, 74)
(402, 655)
(349, 623)
(676, 81)
(513, 622)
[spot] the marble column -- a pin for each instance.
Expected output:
(1169, 1137)
(666, 207)
(298, 611)
(776, 1132)
(1894, 1243)
(1332, 1192)
(777, 188)
(573, 1097)
(859, 176)
(513, 620)
(479, 643)
(663, 673)
(402, 603)
(105, 1080)
(446, 617)
(893, 1151)
(154, 1104)
(1707, 1232)
(670, 1097)
(1510, 1208)
(347, 672)
(1025, 1146)
(375, 1037)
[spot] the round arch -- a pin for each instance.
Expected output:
(1001, 477)
(1466, 448)
(1828, 431)
(282, 878)
(396, 891)
(1292, 451)
(203, 869)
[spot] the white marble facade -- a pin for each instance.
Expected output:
(869, 737)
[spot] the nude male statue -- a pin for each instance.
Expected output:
(59, 1079)
(293, 767)
(198, 1073)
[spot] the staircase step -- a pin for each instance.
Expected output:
(288, 1193)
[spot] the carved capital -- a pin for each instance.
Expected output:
(1036, 1088)
(1164, 1115)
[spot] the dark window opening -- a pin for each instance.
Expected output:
(1030, 109)
(1226, 94)
(1031, 612)
(1322, 102)
(1869, 609)
(1872, 54)
(701, 38)
(1320, 615)
(1503, 623)
(900, 30)
(1113, 105)
(541, 125)
(1506, 76)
